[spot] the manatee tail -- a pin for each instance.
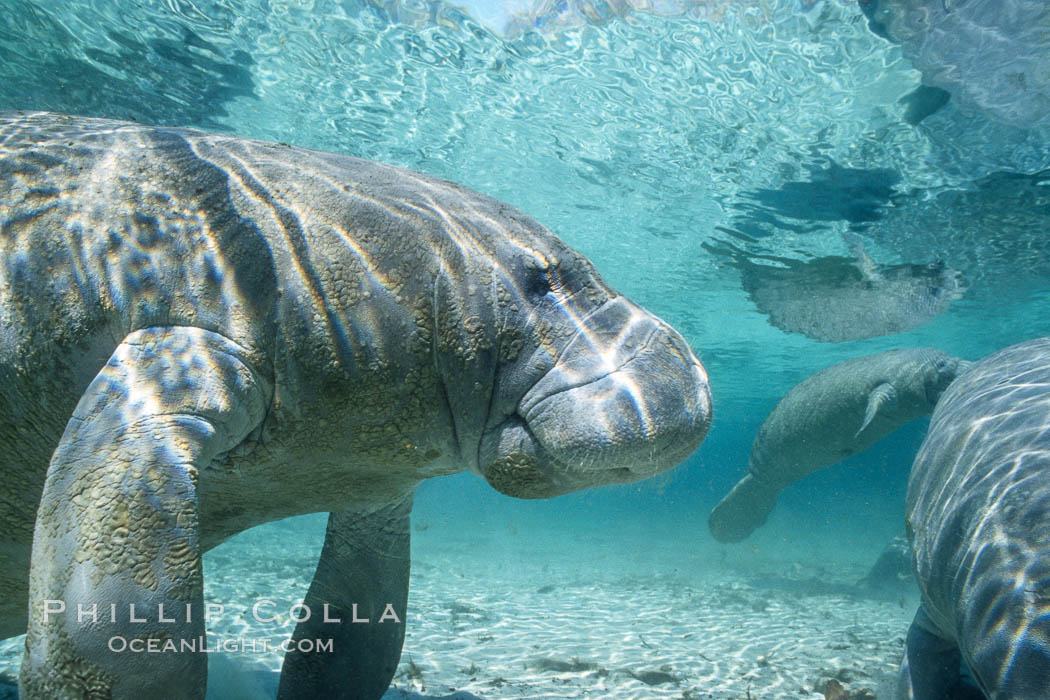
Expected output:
(743, 509)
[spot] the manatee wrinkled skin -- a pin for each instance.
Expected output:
(978, 520)
(200, 333)
(831, 415)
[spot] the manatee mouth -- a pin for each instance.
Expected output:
(625, 400)
(515, 463)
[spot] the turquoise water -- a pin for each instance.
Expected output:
(647, 140)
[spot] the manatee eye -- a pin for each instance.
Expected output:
(538, 284)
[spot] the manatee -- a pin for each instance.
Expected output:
(202, 333)
(890, 578)
(978, 521)
(834, 414)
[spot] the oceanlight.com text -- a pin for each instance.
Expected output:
(201, 645)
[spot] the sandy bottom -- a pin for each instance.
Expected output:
(512, 614)
(646, 637)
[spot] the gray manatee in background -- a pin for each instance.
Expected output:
(200, 333)
(831, 415)
(978, 519)
(891, 576)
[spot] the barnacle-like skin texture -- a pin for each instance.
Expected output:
(200, 333)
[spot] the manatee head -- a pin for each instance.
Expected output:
(941, 370)
(587, 387)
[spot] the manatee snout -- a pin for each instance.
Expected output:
(626, 400)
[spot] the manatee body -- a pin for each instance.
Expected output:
(978, 519)
(831, 415)
(200, 333)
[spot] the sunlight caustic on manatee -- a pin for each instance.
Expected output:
(977, 506)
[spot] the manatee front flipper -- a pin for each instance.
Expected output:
(882, 398)
(931, 666)
(118, 521)
(364, 567)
